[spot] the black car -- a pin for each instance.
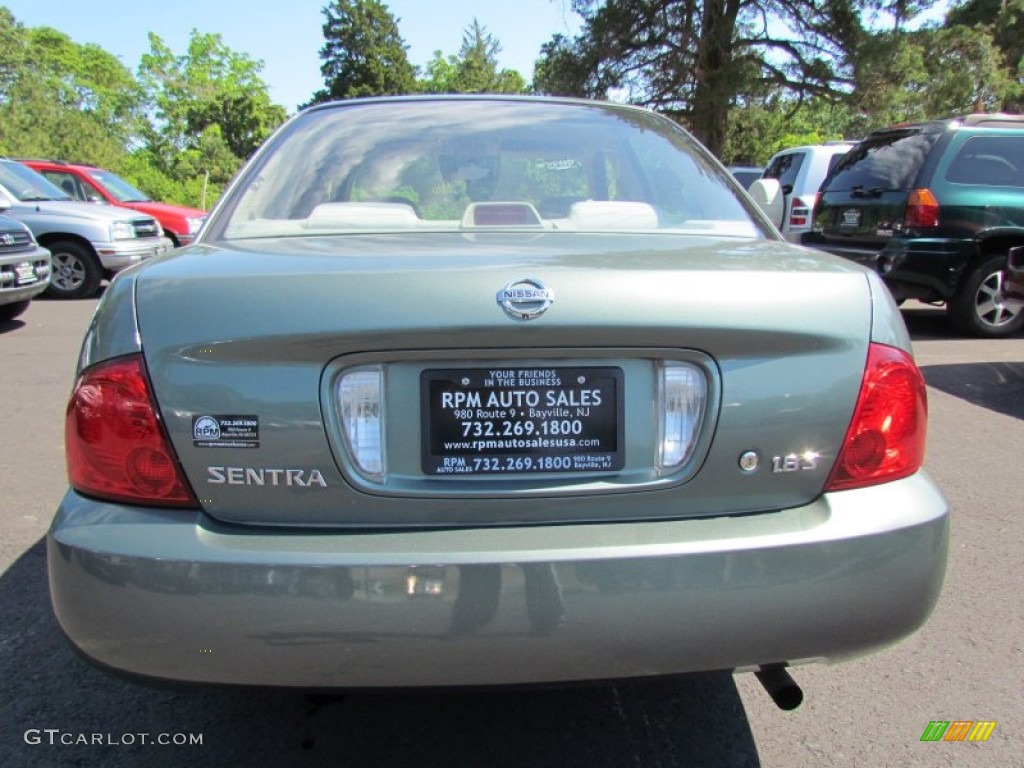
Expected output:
(934, 207)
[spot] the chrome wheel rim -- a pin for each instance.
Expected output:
(991, 304)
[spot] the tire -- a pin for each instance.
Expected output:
(12, 310)
(980, 306)
(76, 272)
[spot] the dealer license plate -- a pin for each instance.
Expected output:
(504, 421)
(25, 274)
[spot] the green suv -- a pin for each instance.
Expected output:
(934, 208)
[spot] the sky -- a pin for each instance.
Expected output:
(287, 35)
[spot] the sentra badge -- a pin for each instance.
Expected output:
(262, 476)
(526, 298)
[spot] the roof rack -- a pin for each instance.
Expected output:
(994, 118)
(52, 161)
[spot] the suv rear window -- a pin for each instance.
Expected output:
(888, 161)
(785, 168)
(991, 161)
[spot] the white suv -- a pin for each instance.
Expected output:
(800, 171)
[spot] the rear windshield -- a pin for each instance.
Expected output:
(890, 161)
(471, 164)
(785, 168)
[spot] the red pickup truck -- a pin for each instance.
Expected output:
(92, 184)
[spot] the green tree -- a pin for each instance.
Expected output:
(692, 59)
(12, 52)
(967, 72)
(475, 69)
(1004, 21)
(61, 99)
(760, 128)
(927, 73)
(363, 53)
(210, 85)
(572, 68)
(891, 79)
(210, 111)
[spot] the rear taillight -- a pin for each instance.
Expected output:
(886, 438)
(922, 209)
(116, 447)
(800, 211)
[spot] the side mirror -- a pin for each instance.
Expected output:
(768, 195)
(5, 204)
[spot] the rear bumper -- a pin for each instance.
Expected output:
(173, 595)
(913, 268)
(795, 234)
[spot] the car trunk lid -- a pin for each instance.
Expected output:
(244, 348)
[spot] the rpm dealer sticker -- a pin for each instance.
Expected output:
(226, 431)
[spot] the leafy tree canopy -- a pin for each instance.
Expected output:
(209, 86)
(691, 59)
(363, 53)
(62, 99)
(474, 69)
(1004, 21)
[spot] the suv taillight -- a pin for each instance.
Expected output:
(115, 445)
(922, 210)
(800, 211)
(886, 438)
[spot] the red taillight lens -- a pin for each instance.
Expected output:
(922, 209)
(116, 447)
(886, 438)
(800, 211)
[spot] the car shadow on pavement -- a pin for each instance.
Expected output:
(50, 695)
(928, 322)
(6, 326)
(998, 386)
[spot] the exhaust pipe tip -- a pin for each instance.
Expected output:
(782, 688)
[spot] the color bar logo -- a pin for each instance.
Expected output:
(958, 730)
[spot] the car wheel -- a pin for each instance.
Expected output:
(11, 311)
(981, 306)
(75, 273)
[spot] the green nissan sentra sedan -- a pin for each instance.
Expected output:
(485, 391)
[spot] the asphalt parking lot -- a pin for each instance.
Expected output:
(966, 664)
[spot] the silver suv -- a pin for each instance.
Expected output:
(88, 241)
(800, 171)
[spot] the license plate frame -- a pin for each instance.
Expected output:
(508, 421)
